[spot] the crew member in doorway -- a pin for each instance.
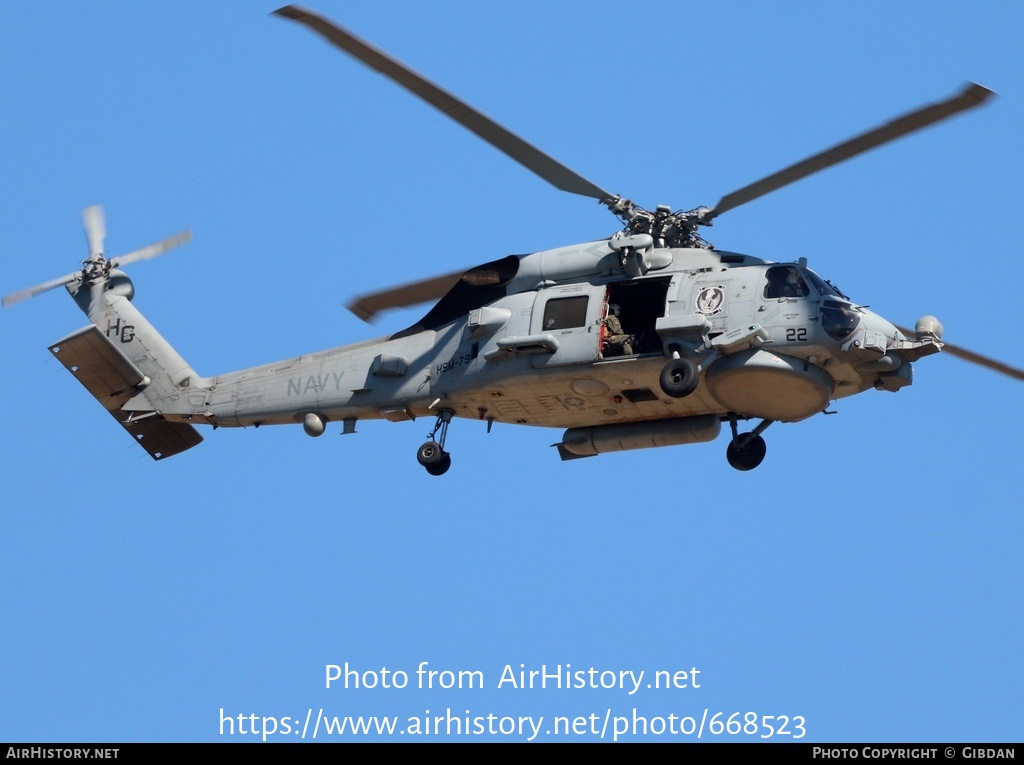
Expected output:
(616, 341)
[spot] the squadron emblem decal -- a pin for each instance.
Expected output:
(711, 300)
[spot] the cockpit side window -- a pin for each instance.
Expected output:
(785, 282)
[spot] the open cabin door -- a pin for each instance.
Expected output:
(637, 304)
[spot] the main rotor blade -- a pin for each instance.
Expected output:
(972, 95)
(152, 250)
(974, 358)
(548, 168)
(366, 307)
(17, 297)
(95, 229)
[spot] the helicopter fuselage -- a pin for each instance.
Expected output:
(527, 340)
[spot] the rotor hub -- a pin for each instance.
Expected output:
(666, 228)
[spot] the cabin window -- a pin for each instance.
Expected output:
(565, 313)
(785, 282)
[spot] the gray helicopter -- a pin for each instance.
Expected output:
(649, 337)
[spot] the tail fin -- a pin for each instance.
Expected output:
(129, 368)
(120, 359)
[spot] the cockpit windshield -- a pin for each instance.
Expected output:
(823, 287)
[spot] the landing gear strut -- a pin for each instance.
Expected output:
(746, 451)
(432, 455)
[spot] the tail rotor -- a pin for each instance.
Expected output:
(97, 266)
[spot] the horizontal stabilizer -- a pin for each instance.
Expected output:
(106, 373)
(161, 438)
(113, 379)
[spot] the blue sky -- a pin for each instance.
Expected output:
(866, 577)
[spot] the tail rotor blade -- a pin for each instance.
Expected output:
(17, 297)
(95, 229)
(97, 268)
(152, 250)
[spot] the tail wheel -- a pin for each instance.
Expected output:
(746, 453)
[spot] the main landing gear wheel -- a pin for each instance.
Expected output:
(434, 459)
(431, 455)
(745, 453)
(441, 467)
(679, 378)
